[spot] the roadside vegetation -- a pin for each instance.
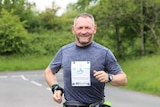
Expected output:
(30, 38)
(143, 74)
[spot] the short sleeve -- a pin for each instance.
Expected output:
(112, 65)
(56, 63)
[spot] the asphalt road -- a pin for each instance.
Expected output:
(29, 89)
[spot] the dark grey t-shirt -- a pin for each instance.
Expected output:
(100, 57)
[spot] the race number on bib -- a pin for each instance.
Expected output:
(80, 73)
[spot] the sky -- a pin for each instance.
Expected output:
(42, 4)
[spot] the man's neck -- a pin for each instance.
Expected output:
(84, 45)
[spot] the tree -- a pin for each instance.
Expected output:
(13, 36)
(49, 19)
(151, 12)
(128, 20)
(147, 17)
(111, 17)
(84, 5)
(25, 10)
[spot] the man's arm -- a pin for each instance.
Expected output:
(50, 78)
(118, 79)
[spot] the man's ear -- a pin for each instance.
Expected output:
(73, 29)
(95, 29)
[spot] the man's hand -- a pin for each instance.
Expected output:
(57, 96)
(101, 76)
(119, 79)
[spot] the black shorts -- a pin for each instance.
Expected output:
(78, 104)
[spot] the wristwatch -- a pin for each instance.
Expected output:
(110, 77)
(57, 87)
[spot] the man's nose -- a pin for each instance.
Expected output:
(84, 31)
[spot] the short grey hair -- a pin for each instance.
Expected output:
(84, 15)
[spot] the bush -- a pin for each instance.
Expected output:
(49, 42)
(13, 36)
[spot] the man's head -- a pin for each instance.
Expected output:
(84, 28)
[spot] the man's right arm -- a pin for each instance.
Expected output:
(50, 77)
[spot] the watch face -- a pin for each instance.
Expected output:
(110, 77)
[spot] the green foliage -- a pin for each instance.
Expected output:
(48, 43)
(48, 18)
(13, 36)
(125, 26)
(84, 5)
(27, 62)
(49, 21)
(121, 28)
(143, 74)
(24, 10)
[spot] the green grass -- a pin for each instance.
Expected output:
(143, 74)
(16, 63)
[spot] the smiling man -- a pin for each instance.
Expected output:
(84, 29)
(87, 67)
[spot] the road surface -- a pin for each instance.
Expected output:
(29, 89)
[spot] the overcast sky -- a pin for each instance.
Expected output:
(41, 4)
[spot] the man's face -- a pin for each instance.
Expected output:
(84, 30)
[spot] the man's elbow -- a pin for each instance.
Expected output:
(124, 80)
(119, 80)
(47, 72)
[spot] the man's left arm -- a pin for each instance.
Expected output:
(119, 79)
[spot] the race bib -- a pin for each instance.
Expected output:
(80, 73)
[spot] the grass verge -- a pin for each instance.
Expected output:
(143, 73)
(12, 63)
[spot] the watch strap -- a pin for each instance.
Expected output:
(110, 77)
(56, 87)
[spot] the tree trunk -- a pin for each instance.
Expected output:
(155, 37)
(142, 31)
(119, 42)
(142, 41)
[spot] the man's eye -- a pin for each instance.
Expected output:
(80, 27)
(84, 28)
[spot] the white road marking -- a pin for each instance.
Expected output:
(15, 76)
(48, 89)
(24, 78)
(36, 83)
(3, 76)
